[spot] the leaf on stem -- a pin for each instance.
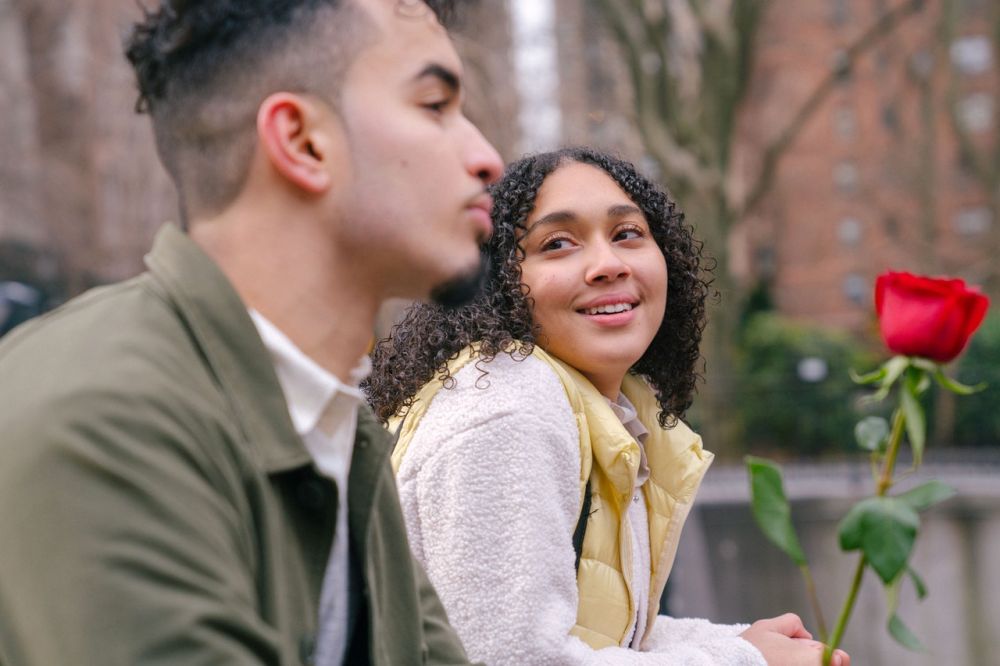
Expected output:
(916, 428)
(884, 529)
(894, 368)
(872, 433)
(868, 377)
(955, 386)
(897, 629)
(918, 583)
(770, 507)
(927, 494)
(903, 635)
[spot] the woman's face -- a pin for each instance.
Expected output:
(596, 275)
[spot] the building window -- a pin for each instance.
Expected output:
(840, 12)
(890, 118)
(765, 262)
(972, 221)
(975, 112)
(849, 231)
(891, 226)
(855, 288)
(845, 123)
(845, 177)
(972, 55)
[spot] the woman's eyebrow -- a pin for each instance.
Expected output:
(563, 216)
(555, 217)
(623, 210)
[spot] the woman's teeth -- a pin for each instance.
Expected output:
(609, 309)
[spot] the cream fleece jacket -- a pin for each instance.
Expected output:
(490, 492)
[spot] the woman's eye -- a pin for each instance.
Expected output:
(556, 244)
(628, 234)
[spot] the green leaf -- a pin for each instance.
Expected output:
(770, 507)
(916, 428)
(884, 529)
(903, 635)
(918, 583)
(896, 628)
(925, 364)
(894, 368)
(955, 386)
(872, 433)
(927, 494)
(868, 377)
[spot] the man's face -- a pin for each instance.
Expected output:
(412, 191)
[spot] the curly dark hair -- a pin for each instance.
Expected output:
(428, 336)
(185, 40)
(203, 67)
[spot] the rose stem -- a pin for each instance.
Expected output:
(884, 483)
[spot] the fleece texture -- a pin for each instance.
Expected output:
(490, 491)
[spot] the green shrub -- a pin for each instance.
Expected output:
(794, 390)
(977, 417)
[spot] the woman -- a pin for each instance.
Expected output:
(543, 468)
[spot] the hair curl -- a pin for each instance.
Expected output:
(428, 336)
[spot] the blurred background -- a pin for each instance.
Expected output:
(813, 144)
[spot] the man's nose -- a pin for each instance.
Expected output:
(482, 159)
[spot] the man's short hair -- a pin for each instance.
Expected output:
(203, 68)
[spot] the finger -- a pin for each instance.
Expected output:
(845, 659)
(790, 625)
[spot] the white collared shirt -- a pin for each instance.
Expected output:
(638, 519)
(324, 412)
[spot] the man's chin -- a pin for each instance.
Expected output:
(461, 289)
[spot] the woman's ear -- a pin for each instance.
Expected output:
(292, 137)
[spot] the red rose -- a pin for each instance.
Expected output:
(928, 317)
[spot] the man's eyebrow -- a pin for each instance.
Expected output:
(446, 76)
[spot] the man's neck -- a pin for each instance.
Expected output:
(299, 285)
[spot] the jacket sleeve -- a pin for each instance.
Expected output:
(443, 645)
(490, 489)
(122, 543)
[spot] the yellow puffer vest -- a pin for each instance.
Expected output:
(609, 458)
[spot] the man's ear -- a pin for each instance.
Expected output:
(295, 142)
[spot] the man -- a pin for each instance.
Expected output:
(186, 473)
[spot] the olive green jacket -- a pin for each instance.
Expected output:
(156, 505)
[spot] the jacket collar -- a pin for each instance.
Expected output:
(222, 328)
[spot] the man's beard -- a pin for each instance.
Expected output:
(462, 289)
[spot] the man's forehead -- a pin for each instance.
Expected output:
(412, 12)
(410, 28)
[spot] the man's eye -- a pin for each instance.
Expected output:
(437, 107)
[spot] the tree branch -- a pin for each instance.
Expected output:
(776, 149)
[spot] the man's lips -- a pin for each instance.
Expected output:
(480, 208)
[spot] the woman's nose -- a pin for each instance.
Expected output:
(606, 264)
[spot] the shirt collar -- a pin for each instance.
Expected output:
(307, 386)
(629, 416)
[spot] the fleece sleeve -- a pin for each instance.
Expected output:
(490, 489)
